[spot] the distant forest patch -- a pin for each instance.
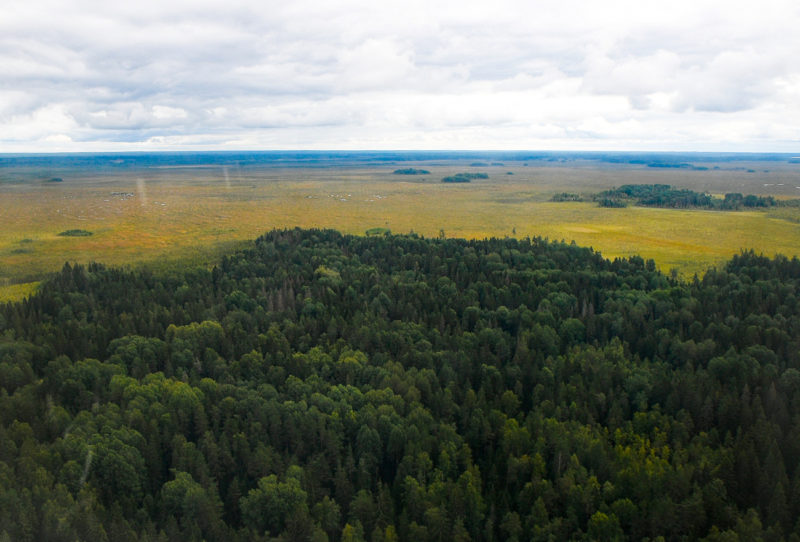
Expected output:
(75, 233)
(464, 177)
(682, 165)
(55, 180)
(664, 195)
(566, 196)
(411, 171)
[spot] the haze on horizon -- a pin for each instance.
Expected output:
(240, 74)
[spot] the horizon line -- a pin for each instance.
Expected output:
(398, 150)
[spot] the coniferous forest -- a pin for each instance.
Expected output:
(319, 387)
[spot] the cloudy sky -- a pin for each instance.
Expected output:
(380, 74)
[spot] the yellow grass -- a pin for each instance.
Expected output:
(16, 292)
(195, 215)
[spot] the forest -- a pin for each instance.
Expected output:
(320, 386)
(664, 195)
(464, 177)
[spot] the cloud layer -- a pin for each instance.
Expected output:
(708, 75)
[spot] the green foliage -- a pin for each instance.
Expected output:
(316, 386)
(611, 203)
(271, 506)
(75, 233)
(464, 177)
(566, 196)
(663, 195)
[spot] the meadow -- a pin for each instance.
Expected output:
(170, 215)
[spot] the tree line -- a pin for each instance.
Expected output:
(664, 195)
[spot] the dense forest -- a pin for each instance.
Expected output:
(316, 386)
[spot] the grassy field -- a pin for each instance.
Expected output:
(169, 216)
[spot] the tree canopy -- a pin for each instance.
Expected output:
(317, 386)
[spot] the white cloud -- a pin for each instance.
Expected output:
(36, 125)
(163, 112)
(402, 74)
(57, 138)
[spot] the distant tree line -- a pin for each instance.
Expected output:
(75, 233)
(673, 165)
(411, 171)
(566, 196)
(663, 195)
(464, 177)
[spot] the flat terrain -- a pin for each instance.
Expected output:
(166, 215)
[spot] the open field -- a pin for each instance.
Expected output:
(168, 215)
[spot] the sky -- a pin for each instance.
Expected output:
(699, 75)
